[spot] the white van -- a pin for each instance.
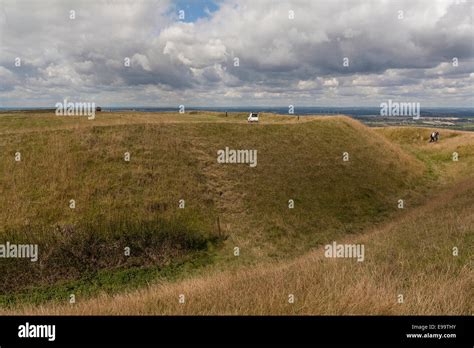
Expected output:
(253, 117)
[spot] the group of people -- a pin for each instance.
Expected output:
(434, 137)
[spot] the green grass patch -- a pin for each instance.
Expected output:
(108, 281)
(83, 250)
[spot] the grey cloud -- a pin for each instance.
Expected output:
(279, 58)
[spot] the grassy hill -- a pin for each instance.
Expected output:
(438, 157)
(411, 257)
(172, 157)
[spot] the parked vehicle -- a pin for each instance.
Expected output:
(253, 117)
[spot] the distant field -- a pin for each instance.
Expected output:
(191, 250)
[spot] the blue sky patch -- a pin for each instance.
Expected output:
(194, 9)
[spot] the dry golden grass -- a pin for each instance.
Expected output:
(412, 256)
(173, 158)
(175, 155)
(20, 122)
(438, 156)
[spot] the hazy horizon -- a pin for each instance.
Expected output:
(236, 107)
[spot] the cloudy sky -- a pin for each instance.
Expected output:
(237, 52)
